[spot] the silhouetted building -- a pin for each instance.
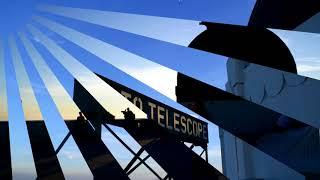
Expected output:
(261, 148)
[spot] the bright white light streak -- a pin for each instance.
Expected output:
(65, 105)
(177, 31)
(107, 52)
(28, 100)
(173, 30)
(3, 88)
(117, 56)
(50, 79)
(109, 98)
(67, 108)
(102, 49)
(121, 153)
(22, 162)
(153, 27)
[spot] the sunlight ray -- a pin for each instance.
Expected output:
(28, 99)
(118, 58)
(6, 162)
(67, 108)
(171, 30)
(17, 123)
(3, 88)
(102, 50)
(149, 26)
(43, 156)
(120, 20)
(110, 99)
(121, 63)
(33, 53)
(144, 71)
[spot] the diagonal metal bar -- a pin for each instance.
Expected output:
(202, 152)
(169, 159)
(90, 145)
(133, 160)
(191, 147)
(166, 177)
(136, 166)
(207, 157)
(125, 145)
(45, 160)
(63, 142)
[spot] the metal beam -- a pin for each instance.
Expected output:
(98, 157)
(133, 160)
(63, 142)
(136, 166)
(125, 145)
(45, 159)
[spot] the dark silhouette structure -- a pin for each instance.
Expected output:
(293, 145)
(164, 146)
(44, 155)
(5, 159)
(97, 156)
(128, 115)
(80, 117)
(254, 44)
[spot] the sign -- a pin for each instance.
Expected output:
(188, 127)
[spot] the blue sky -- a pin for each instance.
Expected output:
(14, 16)
(307, 59)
